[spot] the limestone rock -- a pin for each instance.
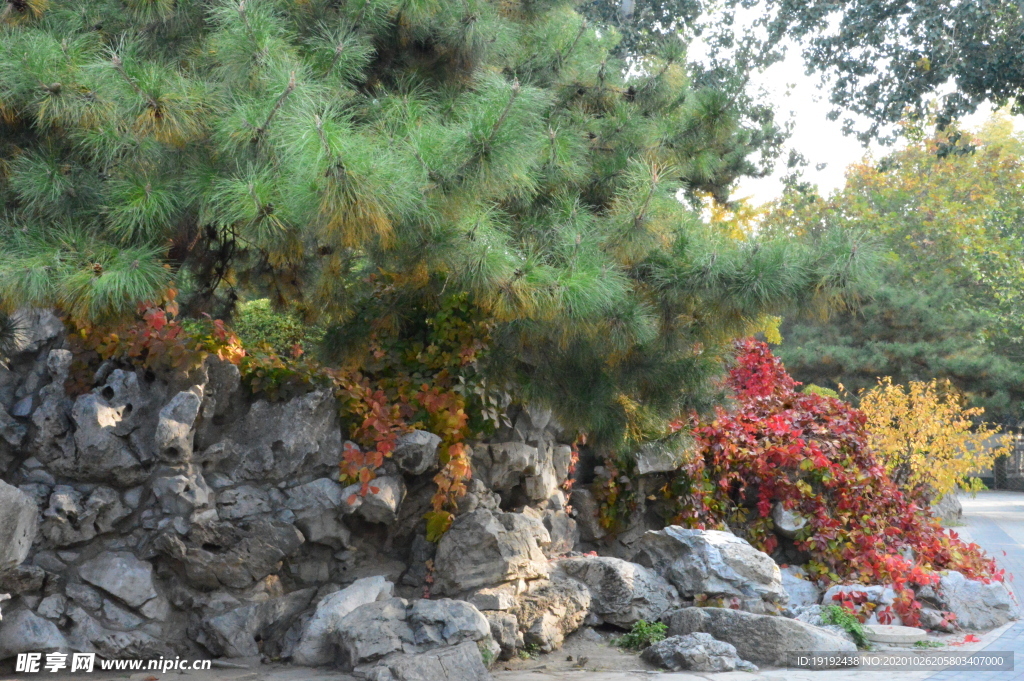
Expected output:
(4, 597)
(622, 592)
(174, 429)
(585, 508)
(19, 523)
(121, 574)
(102, 455)
(483, 548)
(243, 502)
(505, 632)
(550, 610)
(762, 639)
(496, 598)
(23, 579)
(235, 633)
(801, 591)
(977, 606)
(563, 531)
(462, 662)
(25, 632)
(710, 562)
(697, 652)
(380, 506)
(181, 490)
(36, 327)
(318, 506)
(663, 456)
(315, 646)
(416, 452)
(70, 520)
(376, 630)
(275, 441)
(504, 466)
(786, 522)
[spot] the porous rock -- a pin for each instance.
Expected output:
(800, 590)
(484, 548)
(26, 632)
(416, 453)
(551, 609)
(622, 592)
(710, 562)
(318, 507)
(462, 662)
(121, 574)
(235, 633)
(762, 639)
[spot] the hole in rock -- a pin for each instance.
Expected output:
(107, 393)
(218, 419)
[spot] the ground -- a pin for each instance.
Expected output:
(995, 520)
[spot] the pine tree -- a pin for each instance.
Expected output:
(363, 161)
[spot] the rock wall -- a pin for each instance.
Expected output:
(154, 516)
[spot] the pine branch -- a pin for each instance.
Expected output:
(119, 65)
(572, 47)
(261, 130)
(495, 129)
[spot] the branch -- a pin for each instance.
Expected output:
(273, 112)
(119, 65)
(572, 47)
(495, 128)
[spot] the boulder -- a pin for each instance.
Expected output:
(462, 662)
(88, 635)
(243, 502)
(621, 592)
(698, 652)
(19, 523)
(36, 327)
(24, 579)
(4, 597)
(496, 598)
(416, 452)
(102, 455)
(976, 605)
(585, 510)
(663, 456)
(762, 639)
(563, 532)
(710, 562)
(315, 645)
(504, 466)
(121, 574)
(318, 506)
(800, 590)
(550, 610)
(69, 519)
(375, 630)
(235, 633)
(25, 632)
(484, 548)
(181, 490)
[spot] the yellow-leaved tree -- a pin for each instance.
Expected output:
(928, 439)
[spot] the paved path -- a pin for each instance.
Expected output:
(995, 520)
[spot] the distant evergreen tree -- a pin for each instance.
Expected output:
(361, 161)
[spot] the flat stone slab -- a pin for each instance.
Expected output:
(884, 633)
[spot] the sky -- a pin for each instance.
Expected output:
(804, 100)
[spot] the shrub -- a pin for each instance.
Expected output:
(643, 635)
(926, 437)
(810, 453)
(841, 617)
(257, 322)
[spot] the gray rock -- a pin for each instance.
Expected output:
(85, 595)
(19, 523)
(4, 597)
(663, 456)
(948, 509)
(697, 652)
(786, 522)
(462, 662)
(563, 531)
(102, 455)
(119, 617)
(235, 633)
(483, 548)
(416, 452)
(315, 646)
(380, 506)
(976, 605)
(505, 632)
(622, 592)
(242, 502)
(69, 519)
(174, 429)
(52, 607)
(12, 432)
(182, 490)
(317, 506)
(89, 635)
(801, 591)
(585, 509)
(762, 639)
(36, 327)
(936, 620)
(275, 441)
(21, 580)
(376, 630)
(503, 466)
(718, 564)
(121, 574)
(561, 458)
(550, 610)
(495, 598)
(25, 632)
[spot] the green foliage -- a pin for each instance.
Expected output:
(947, 303)
(929, 644)
(840, 616)
(256, 322)
(364, 162)
(643, 635)
(10, 336)
(813, 389)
